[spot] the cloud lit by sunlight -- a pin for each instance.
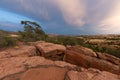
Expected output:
(111, 24)
(79, 16)
(73, 11)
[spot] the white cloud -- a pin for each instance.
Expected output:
(73, 11)
(102, 16)
(111, 23)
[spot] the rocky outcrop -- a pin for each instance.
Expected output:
(25, 63)
(50, 50)
(75, 56)
(40, 48)
(39, 68)
(21, 51)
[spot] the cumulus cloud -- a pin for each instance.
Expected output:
(97, 10)
(111, 23)
(73, 11)
(88, 16)
(36, 9)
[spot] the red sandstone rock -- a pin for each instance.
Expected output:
(9, 66)
(22, 51)
(64, 64)
(50, 73)
(39, 68)
(77, 58)
(5, 55)
(13, 77)
(86, 75)
(15, 64)
(83, 50)
(74, 75)
(50, 50)
(105, 76)
(109, 58)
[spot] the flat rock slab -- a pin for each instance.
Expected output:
(51, 73)
(39, 68)
(48, 47)
(14, 65)
(22, 51)
(106, 76)
(87, 75)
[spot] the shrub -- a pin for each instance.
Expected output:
(7, 41)
(66, 40)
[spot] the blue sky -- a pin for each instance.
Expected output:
(63, 17)
(11, 21)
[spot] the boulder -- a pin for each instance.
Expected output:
(50, 50)
(80, 59)
(83, 50)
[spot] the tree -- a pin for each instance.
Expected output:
(32, 32)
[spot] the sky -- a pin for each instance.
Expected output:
(80, 17)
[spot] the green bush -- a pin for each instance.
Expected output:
(104, 49)
(66, 40)
(7, 41)
(69, 41)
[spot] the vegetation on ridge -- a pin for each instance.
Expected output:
(33, 32)
(6, 40)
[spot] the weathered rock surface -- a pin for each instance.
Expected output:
(25, 63)
(105, 76)
(87, 75)
(83, 50)
(15, 65)
(39, 68)
(22, 51)
(50, 50)
(50, 73)
(109, 58)
(5, 54)
(79, 58)
(74, 75)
